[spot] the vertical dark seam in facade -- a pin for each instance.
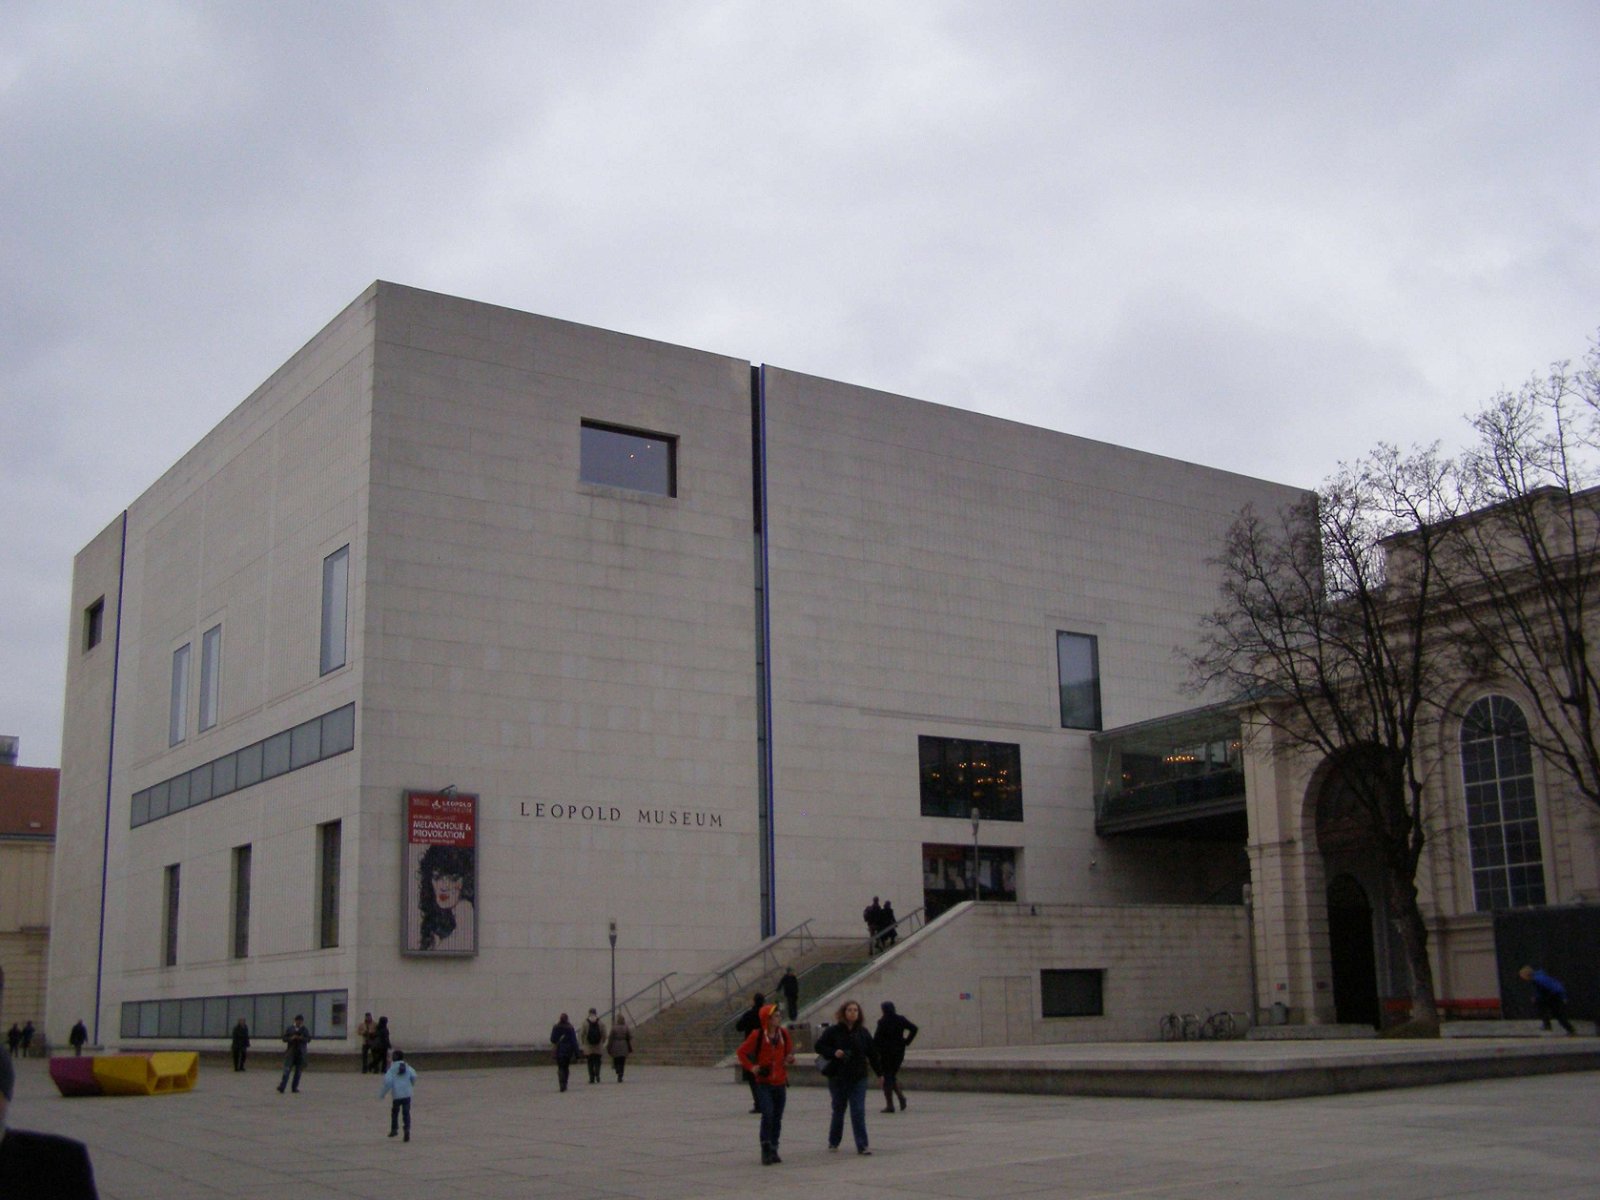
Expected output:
(758, 423)
(111, 754)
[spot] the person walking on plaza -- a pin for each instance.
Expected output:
(767, 1054)
(77, 1038)
(565, 1039)
(366, 1031)
(619, 1045)
(14, 1038)
(400, 1079)
(749, 1021)
(893, 1034)
(39, 1164)
(789, 989)
(1549, 997)
(594, 1043)
(241, 1043)
(295, 1040)
(850, 1047)
(27, 1037)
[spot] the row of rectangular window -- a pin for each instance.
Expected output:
(329, 842)
(332, 654)
(310, 742)
(266, 1014)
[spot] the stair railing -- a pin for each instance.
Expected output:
(904, 927)
(664, 995)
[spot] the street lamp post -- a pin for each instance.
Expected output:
(612, 934)
(976, 815)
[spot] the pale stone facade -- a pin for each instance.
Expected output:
(697, 715)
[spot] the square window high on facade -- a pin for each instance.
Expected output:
(628, 458)
(959, 775)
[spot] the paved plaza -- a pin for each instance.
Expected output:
(675, 1132)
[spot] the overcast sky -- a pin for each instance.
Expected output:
(1259, 236)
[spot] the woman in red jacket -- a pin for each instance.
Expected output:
(766, 1054)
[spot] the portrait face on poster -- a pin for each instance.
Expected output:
(439, 894)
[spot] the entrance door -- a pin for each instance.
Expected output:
(1355, 963)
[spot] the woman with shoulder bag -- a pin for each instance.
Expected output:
(849, 1045)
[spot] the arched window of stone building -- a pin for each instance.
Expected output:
(1502, 811)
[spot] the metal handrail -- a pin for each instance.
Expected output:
(658, 986)
(733, 984)
(875, 942)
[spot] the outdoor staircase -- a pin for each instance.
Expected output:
(699, 1029)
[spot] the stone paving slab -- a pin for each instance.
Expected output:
(674, 1133)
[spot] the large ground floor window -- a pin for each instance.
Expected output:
(947, 875)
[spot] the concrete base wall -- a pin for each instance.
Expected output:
(973, 978)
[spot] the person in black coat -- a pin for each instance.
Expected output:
(39, 1164)
(240, 1044)
(78, 1038)
(850, 1047)
(565, 1039)
(749, 1021)
(789, 989)
(893, 1034)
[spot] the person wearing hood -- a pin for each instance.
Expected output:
(767, 1054)
(893, 1034)
(565, 1039)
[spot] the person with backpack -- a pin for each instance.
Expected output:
(594, 1043)
(766, 1055)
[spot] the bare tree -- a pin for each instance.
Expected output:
(1326, 623)
(1520, 573)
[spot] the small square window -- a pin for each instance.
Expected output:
(628, 458)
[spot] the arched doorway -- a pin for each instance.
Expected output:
(1354, 953)
(1358, 942)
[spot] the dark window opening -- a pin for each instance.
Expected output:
(960, 775)
(628, 458)
(1072, 993)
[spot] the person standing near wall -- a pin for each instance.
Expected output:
(365, 1031)
(893, 1034)
(850, 1047)
(78, 1037)
(381, 1041)
(789, 989)
(240, 1043)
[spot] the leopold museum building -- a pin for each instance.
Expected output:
(472, 636)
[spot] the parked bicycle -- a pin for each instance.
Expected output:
(1212, 1026)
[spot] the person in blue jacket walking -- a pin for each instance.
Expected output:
(400, 1080)
(1549, 997)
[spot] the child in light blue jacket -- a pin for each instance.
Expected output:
(399, 1079)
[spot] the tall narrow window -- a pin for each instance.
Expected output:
(241, 902)
(178, 711)
(1078, 660)
(328, 884)
(210, 675)
(169, 920)
(1502, 810)
(94, 623)
(335, 607)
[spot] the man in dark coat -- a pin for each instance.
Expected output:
(749, 1021)
(78, 1037)
(893, 1034)
(789, 987)
(295, 1040)
(39, 1164)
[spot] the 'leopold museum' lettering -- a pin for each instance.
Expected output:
(676, 818)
